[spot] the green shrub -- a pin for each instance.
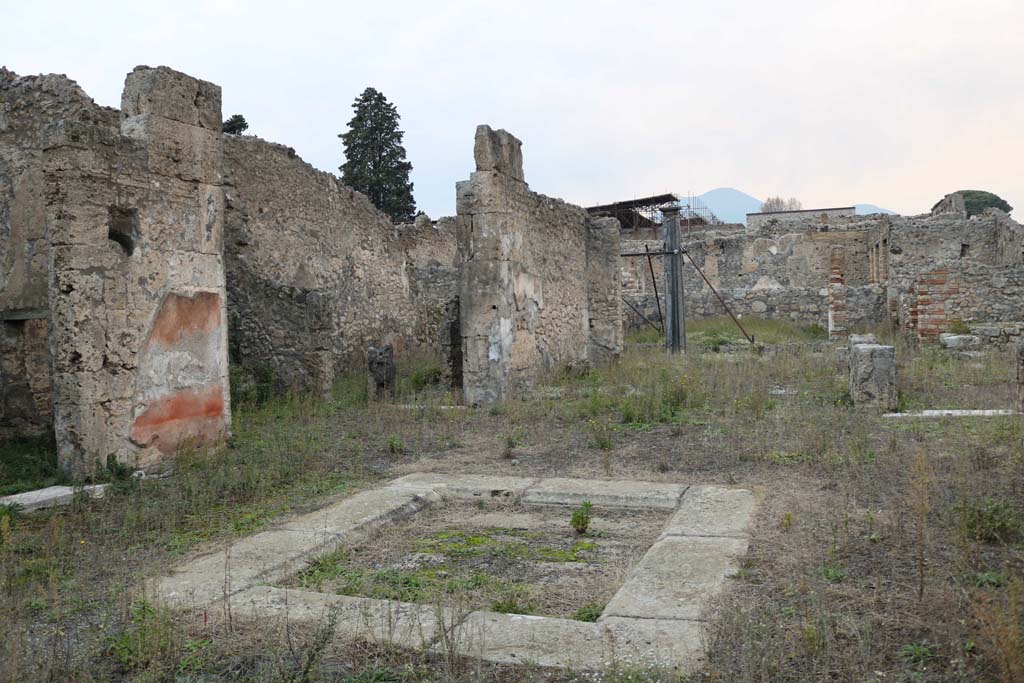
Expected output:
(425, 377)
(581, 517)
(988, 520)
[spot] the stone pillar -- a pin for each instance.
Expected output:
(499, 300)
(837, 312)
(136, 285)
(873, 376)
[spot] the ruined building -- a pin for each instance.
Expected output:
(840, 271)
(142, 249)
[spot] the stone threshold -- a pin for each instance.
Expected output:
(654, 619)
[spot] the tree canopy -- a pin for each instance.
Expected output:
(375, 162)
(236, 124)
(977, 201)
(773, 204)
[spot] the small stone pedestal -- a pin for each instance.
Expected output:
(873, 376)
(381, 367)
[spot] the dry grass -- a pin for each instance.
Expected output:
(848, 527)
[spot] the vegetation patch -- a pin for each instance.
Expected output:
(498, 557)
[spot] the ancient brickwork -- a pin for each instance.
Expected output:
(523, 292)
(136, 283)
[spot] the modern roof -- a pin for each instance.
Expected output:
(642, 202)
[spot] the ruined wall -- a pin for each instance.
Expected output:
(604, 289)
(432, 268)
(306, 253)
(26, 404)
(136, 284)
(819, 217)
(784, 276)
(523, 287)
(32, 109)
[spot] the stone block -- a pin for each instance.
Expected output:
(958, 342)
(659, 643)
(407, 625)
(873, 376)
(172, 95)
(619, 493)
(498, 150)
(189, 153)
(713, 511)
(364, 511)
(529, 640)
(676, 578)
(465, 486)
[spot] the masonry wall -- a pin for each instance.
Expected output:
(32, 109)
(316, 273)
(523, 287)
(136, 282)
(820, 217)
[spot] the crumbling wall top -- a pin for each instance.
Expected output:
(164, 92)
(498, 150)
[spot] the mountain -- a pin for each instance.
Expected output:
(864, 209)
(732, 205)
(729, 204)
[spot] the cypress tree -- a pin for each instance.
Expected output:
(375, 162)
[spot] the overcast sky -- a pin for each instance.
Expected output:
(889, 102)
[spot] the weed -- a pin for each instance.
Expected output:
(833, 573)
(589, 612)
(395, 445)
(787, 521)
(958, 326)
(988, 520)
(920, 505)
(515, 601)
(581, 517)
(987, 579)
(917, 653)
(600, 434)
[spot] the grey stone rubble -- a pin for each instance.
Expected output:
(873, 376)
(655, 618)
(959, 342)
(52, 496)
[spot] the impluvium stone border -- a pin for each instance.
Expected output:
(654, 619)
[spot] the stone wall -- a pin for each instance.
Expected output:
(110, 260)
(820, 217)
(523, 286)
(32, 109)
(26, 404)
(306, 253)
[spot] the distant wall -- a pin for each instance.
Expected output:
(822, 217)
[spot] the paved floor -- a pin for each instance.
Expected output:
(655, 617)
